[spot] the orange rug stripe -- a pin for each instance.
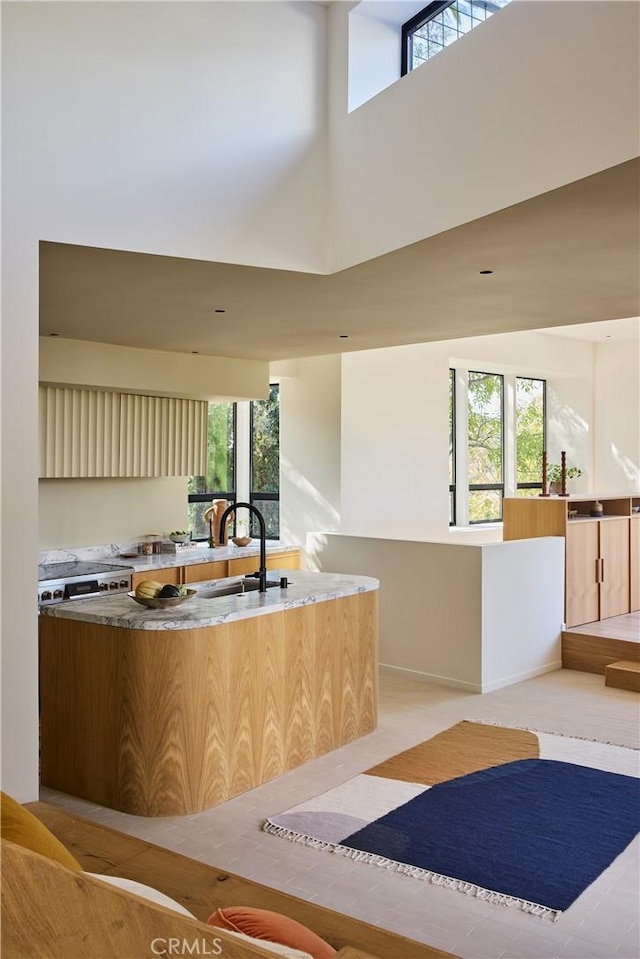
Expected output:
(464, 748)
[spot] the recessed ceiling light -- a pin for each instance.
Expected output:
(219, 311)
(54, 334)
(195, 351)
(344, 336)
(485, 272)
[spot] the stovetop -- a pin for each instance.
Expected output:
(74, 568)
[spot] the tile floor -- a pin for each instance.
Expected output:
(604, 923)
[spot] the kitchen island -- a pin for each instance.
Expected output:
(169, 712)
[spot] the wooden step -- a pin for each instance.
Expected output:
(623, 675)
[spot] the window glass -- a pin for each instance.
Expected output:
(440, 24)
(485, 447)
(219, 482)
(530, 434)
(265, 459)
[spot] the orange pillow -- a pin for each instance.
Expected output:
(22, 827)
(273, 927)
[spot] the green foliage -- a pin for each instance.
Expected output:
(554, 472)
(265, 455)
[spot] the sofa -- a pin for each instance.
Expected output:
(59, 900)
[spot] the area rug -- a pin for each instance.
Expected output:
(510, 815)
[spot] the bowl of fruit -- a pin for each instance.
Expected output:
(155, 595)
(179, 536)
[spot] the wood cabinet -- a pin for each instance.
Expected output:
(169, 575)
(602, 559)
(200, 572)
(634, 562)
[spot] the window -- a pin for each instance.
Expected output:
(531, 396)
(440, 24)
(220, 481)
(243, 462)
(485, 447)
(265, 459)
(497, 432)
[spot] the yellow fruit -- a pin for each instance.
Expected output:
(148, 588)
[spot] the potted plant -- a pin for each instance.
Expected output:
(554, 476)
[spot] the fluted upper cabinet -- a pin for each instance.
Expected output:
(86, 433)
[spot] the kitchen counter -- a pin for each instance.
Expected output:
(194, 556)
(169, 712)
(304, 589)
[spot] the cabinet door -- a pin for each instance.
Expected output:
(200, 572)
(288, 560)
(635, 564)
(614, 551)
(169, 575)
(582, 562)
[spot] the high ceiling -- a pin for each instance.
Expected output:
(567, 257)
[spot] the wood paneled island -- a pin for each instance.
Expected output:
(165, 713)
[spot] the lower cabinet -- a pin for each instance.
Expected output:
(201, 572)
(169, 575)
(597, 570)
(634, 543)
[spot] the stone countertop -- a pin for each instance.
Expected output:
(304, 589)
(115, 555)
(194, 556)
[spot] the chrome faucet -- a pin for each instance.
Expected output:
(262, 572)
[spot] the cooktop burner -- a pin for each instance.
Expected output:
(75, 568)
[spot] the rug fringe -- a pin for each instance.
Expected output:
(551, 732)
(436, 879)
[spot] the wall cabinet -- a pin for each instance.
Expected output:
(200, 572)
(602, 554)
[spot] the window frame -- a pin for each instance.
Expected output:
(489, 487)
(409, 28)
(459, 382)
(230, 495)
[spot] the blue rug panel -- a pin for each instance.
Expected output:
(535, 829)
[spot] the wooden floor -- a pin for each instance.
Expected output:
(593, 646)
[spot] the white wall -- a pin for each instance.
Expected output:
(395, 434)
(430, 152)
(463, 616)
(164, 128)
(86, 512)
(616, 419)
(310, 402)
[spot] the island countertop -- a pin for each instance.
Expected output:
(304, 589)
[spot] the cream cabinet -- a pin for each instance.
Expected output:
(602, 558)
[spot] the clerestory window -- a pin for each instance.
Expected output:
(440, 24)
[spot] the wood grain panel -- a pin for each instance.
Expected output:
(250, 564)
(634, 563)
(614, 550)
(48, 910)
(582, 591)
(160, 723)
(592, 654)
(529, 517)
(200, 572)
(623, 675)
(170, 574)
(202, 888)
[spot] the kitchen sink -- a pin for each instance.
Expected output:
(234, 589)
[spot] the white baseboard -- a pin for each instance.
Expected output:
(434, 678)
(474, 687)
